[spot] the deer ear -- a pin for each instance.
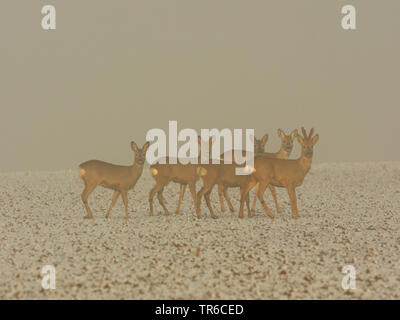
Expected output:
(311, 133)
(315, 139)
(134, 146)
(304, 132)
(281, 134)
(294, 134)
(264, 139)
(300, 140)
(146, 146)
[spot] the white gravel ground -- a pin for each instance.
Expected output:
(349, 214)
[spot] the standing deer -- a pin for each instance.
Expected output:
(184, 174)
(111, 176)
(259, 148)
(281, 173)
(225, 176)
(283, 153)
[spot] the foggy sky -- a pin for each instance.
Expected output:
(112, 70)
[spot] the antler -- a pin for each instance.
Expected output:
(311, 133)
(304, 132)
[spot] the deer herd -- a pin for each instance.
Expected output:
(270, 170)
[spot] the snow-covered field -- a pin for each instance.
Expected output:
(349, 214)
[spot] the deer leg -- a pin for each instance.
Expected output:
(124, 195)
(207, 197)
(207, 187)
(248, 205)
(228, 200)
(243, 194)
(113, 201)
(85, 195)
(273, 191)
(152, 193)
(181, 194)
(247, 201)
(260, 193)
(164, 199)
(253, 206)
(192, 189)
(151, 196)
(198, 201)
(293, 202)
(161, 200)
(221, 199)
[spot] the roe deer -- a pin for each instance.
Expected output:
(281, 173)
(259, 148)
(283, 153)
(184, 174)
(111, 176)
(225, 176)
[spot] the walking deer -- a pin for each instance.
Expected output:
(111, 176)
(283, 153)
(225, 176)
(184, 174)
(259, 148)
(281, 173)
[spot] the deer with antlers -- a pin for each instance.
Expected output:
(283, 153)
(284, 173)
(184, 174)
(121, 179)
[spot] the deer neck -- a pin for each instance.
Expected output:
(305, 163)
(199, 158)
(282, 154)
(136, 169)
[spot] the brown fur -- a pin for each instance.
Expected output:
(184, 174)
(259, 148)
(111, 176)
(225, 176)
(283, 153)
(282, 173)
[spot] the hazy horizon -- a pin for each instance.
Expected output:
(113, 70)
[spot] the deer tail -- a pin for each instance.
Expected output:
(82, 172)
(201, 171)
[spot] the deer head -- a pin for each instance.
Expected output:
(307, 142)
(287, 140)
(140, 154)
(259, 144)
